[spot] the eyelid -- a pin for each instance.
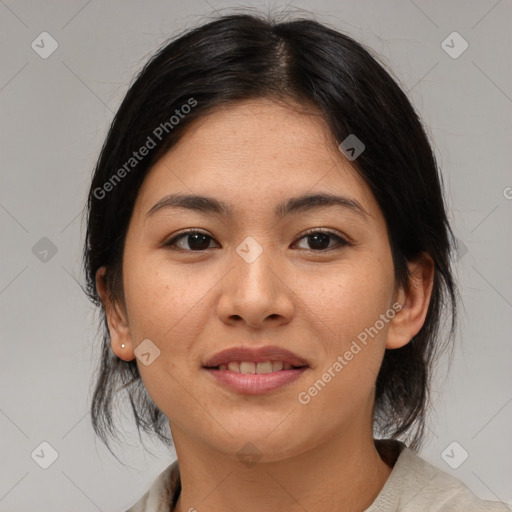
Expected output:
(327, 231)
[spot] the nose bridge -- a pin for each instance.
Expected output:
(252, 263)
(254, 289)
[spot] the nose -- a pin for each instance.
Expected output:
(256, 292)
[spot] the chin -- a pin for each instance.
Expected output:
(265, 443)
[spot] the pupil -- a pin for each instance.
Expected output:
(195, 241)
(323, 238)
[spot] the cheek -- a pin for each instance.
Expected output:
(168, 306)
(353, 310)
(164, 300)
(344, 311)
(348, 297)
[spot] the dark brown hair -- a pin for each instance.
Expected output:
(245, 56)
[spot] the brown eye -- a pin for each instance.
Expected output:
(195, 240)
(320, 240)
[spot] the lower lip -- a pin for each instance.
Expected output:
(256, 383)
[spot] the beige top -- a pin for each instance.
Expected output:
(414, 485)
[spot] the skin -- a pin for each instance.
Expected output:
(191, 305)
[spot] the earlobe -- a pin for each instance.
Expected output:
(415, 301)
(120, 336)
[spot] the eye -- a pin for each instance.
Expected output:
(319, 240)
(196, 241)
(199, 241)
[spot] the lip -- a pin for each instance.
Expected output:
(255, 384)
(256, 355)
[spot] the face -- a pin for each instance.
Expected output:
(317, 281)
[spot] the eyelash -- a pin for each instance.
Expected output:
(341, 241)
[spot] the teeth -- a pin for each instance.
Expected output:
(234, 367)
(248, 367)
(277, 366)
(265, 367)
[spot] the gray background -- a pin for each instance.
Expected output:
(55, 114)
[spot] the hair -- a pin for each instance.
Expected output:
(305, 64)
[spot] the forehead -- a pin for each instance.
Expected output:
(259, 128)
(251, 151)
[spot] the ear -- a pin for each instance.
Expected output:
(415, 300)
(116, 319)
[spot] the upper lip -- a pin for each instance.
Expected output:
(256, 355)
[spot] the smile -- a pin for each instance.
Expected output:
(248, 367)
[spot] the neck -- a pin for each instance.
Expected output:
(345, 473)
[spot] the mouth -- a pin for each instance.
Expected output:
(255, 371)
(250, 370)
(254, 383)
(255, 368)
(247, 359)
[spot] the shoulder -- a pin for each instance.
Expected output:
(415, 485)
(160, 495)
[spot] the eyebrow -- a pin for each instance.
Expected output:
(293, 205)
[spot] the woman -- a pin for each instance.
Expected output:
(268, 241)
